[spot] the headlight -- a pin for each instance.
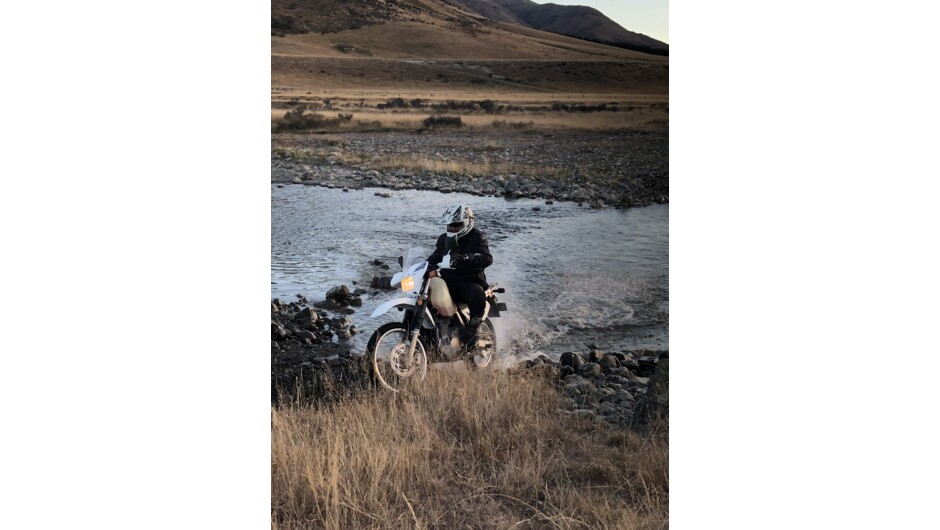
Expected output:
(407, 283)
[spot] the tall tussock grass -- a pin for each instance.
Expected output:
(463, 450)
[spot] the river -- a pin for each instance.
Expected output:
(574, 276)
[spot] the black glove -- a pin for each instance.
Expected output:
(459, 258)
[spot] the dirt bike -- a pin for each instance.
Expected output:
(431, 327)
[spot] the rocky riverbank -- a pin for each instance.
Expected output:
(623, 169)
(311, 361)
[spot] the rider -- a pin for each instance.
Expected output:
(469, 255)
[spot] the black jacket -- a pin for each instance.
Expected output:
(473, 244)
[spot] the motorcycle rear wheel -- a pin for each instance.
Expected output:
(388, 349)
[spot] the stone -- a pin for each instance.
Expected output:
(590, 370)
(571, 359)
(381, 282)
(584, 401)
(338, 294)
(278, 332)
(545, 371)
(654, 403)
(306, 314)
(623, 395)
(609, 362)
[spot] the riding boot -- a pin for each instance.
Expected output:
(470, 332)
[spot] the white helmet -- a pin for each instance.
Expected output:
(459, 220)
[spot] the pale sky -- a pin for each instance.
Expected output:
(649, 17)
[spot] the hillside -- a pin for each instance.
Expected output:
(429, 45)
(577, 21)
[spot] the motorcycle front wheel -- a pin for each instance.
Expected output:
(485, 351)
(391, 365)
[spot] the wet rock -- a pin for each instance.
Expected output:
(340, 322)
(571, 359)
(338, 294)
(381, 282)
(331, 305)
(307, 314)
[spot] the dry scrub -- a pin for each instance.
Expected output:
(444, 166)
(646, 117)
(465, 450)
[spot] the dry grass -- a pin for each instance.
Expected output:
(374, 96)
(433, 40)
(465, 450)
(460, 167)
(640, 117)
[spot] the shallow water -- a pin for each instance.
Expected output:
(573, 275)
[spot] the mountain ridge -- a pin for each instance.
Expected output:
(290, 17)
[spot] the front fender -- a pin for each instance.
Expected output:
(393, 303)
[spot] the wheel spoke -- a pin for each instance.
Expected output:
(394, 367)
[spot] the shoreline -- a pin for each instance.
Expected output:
(622, 170)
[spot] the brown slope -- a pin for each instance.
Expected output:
(290, 17)
(435, 46)
(490, 9)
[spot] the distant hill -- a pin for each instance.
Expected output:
(331, 16)
(491, 9)
(575, 21)
(290, 17)
(438, 45)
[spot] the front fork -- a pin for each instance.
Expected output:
(416, 322)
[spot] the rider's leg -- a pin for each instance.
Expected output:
(474, 296)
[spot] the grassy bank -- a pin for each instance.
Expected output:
(411, 111)
(465, 450)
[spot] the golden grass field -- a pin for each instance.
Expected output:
(640, 117)
(440, 56)
(431, 39)
(465, 449)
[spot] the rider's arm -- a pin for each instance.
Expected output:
(479, 257)
(435, 258)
